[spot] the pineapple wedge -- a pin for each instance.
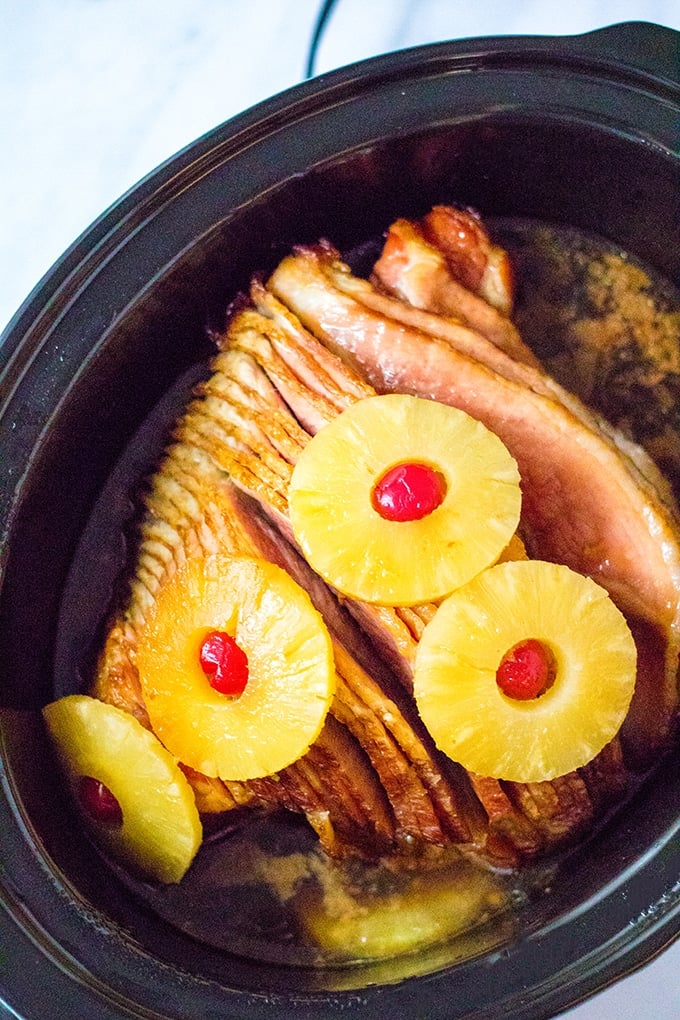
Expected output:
(430, 908)
(562, 729)
(403, 562)
(159, 831)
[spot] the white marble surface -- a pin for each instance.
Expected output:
(95, 93)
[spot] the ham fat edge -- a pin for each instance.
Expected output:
(307, 344)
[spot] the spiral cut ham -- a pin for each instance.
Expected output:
(433, 321)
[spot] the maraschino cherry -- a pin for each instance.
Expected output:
(98, 802)
(526, 671)
(408, 492)
(224, 663)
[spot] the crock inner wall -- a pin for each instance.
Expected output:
(103, 381)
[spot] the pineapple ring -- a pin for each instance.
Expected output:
(161, 828)
(402, 563)
(455, 686)
(291, 678)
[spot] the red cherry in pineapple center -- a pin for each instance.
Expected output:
(224, 663)
(408, 492)
(98, 802)
(527, 670)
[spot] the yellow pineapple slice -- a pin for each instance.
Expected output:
(429, 908)
(285, 681)
(132, 794)
(356, 507)
(582, 698)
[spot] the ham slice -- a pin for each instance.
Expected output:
(585, 501)
(416, 270)
(509, 817)
(471, 256)
(191, 509)
(373, 780)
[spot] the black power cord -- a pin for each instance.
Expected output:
(322, 17)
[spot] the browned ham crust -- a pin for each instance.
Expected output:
(414, 267)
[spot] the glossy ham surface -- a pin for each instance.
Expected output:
(306, 345)
(586, 502)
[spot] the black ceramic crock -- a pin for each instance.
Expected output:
(580, 131)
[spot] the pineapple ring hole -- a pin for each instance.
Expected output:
(408, 491)
(527, 670)
(99, 803)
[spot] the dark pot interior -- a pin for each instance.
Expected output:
(580, 132)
